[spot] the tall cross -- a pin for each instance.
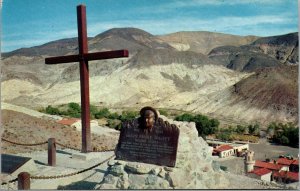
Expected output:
(83, 57)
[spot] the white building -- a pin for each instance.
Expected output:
(261, 174)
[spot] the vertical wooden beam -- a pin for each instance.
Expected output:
(84, 79)
(24, 181)
(51, 152)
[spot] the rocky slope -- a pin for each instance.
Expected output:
(264, 52)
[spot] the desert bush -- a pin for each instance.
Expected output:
(285, 134)
(204, 125)
(113, 123)
(102, 113)
(240, 129)
(128, 115)
(163, 112)
(52, 110)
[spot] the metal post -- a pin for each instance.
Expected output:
(51, 152)
(24, 181)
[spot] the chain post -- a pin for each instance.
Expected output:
(51, 152)
(24, 181)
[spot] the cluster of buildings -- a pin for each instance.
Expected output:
(284, 170)
(224, 150)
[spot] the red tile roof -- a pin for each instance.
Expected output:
(285, 161)
(287, 174)
(223, 148)
(68, 121)
(270, 166)
(261, 171)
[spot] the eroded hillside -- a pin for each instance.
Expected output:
(234, 81)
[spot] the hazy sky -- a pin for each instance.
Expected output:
(27, 23)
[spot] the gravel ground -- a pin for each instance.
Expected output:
(264, 150)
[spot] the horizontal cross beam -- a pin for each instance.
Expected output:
(87, 57)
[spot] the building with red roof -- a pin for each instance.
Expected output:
(286, 176)
(261, 174)
(68, 122)
(268, 165)
(223, 151)
(285, 161)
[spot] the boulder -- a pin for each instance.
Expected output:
(194, 167)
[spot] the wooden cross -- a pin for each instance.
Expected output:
(83, 57)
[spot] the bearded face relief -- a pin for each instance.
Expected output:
(149, 119)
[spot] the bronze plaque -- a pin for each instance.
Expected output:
(155, 146)
(10, 163)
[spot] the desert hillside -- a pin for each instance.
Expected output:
(203, 42)
(24, 128)
(225, 76)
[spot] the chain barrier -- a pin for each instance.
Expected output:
(71, 174)
(23, 144)
(11, 181)
(60, 144)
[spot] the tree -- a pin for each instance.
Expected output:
(185, 117)
(284, 140)
(224, 136)
(93, 110)
(74, 110)
(204, 125)
(240, 129)
(253, 129)
(102, 113)
(52, 110)
(74, 106)
(128, 115)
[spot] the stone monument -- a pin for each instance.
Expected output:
(148, 139)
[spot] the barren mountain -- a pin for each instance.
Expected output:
(244, 58)
(159, 75)
(203, 42)
(264, 52)
(272, 88)
(284, 48)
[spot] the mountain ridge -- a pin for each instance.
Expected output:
(161, 74)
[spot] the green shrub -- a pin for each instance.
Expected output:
(286, 134)
(204, 125)
(163, 112)
(128, 115)
(240, 129)
(113, 116)
(52, 110)
(102, 113)
(113, 123)
(74, 110)
(253, 129)
(185, 117)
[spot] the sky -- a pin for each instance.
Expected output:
(27, 23)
